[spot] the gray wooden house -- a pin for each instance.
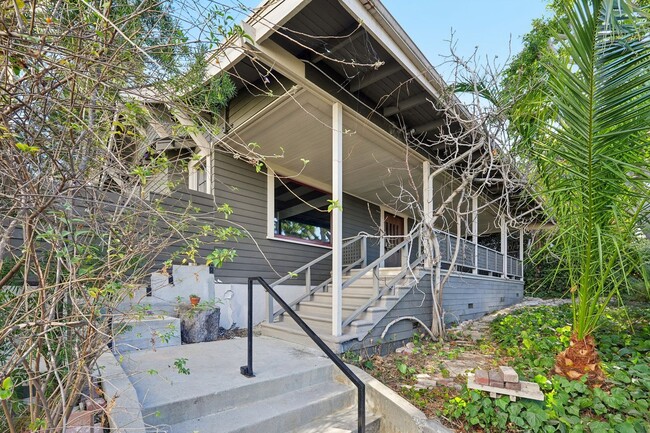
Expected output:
(332, 82)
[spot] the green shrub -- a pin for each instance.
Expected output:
(531, 338)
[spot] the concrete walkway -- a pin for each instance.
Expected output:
(214, 382)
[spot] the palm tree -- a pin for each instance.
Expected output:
(591, 160)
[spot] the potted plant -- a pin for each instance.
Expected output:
(194, 300)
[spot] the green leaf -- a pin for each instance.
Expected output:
(502, 402)
(535, 417)
(334, 204)
(599, 427)
(7, 388)
(27, 148)
(626, 427)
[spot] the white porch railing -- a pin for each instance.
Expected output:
(354, 254)
(471, 258)
(486, 262)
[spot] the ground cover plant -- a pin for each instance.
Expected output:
(528, 340)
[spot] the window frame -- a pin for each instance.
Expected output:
(194, 172)
(270, 215)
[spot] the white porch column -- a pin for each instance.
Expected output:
(427, 205)
(337, 218)
(504, 246)
(475, 232)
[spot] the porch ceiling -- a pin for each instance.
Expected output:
(298, 129)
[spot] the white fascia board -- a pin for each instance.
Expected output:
(202, 143)
(266, 19)
(273, 15)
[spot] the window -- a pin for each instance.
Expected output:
(199, 176)
(300, 212)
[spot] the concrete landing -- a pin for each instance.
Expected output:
(174, 401)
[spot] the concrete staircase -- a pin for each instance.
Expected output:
(295, 389)
(316, 311)
(310, 402)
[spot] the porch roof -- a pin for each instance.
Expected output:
(360, 56)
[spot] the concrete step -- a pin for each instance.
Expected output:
(349, 299)
(278, 414)
(145, 333)
(344, 421)
(322, 322)
(288, 330)
(294, 334)
(323, 307)
(356, 300)
(188, 409)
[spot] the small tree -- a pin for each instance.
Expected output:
(590, 156)
(80, 231)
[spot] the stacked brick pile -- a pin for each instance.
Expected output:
(504, 381)
(503, 377)
(86, 417)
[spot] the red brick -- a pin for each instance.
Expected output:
(481, 377)
(515, 386)
(81, 418)
(509, 374)
(496, 376)
(496, 379)
(96, 404)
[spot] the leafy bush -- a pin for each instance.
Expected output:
(544, 277)
(531, 338)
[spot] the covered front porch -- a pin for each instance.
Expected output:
(320, 155)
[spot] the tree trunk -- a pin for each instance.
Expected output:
(580, 359)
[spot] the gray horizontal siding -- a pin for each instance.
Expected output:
(487, 294)
(361, 216)
(244, 190)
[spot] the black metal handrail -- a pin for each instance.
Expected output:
(247, 370)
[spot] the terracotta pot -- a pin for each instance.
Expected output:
(195, 301)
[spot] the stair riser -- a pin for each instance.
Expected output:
(323, 310)
(213, 403)
(323, 322)
(354, 299)
(300, 338)
(300, 415)
(327, 312)
(348, 299)
(325, 326)
(333, 424)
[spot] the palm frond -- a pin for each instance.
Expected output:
(593, 158)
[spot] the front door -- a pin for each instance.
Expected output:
(394, 234)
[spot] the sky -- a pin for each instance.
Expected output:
(494, 27)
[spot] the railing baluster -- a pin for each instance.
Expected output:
(308, 280)
(364, 251)
(269, 308)
(375, 279)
